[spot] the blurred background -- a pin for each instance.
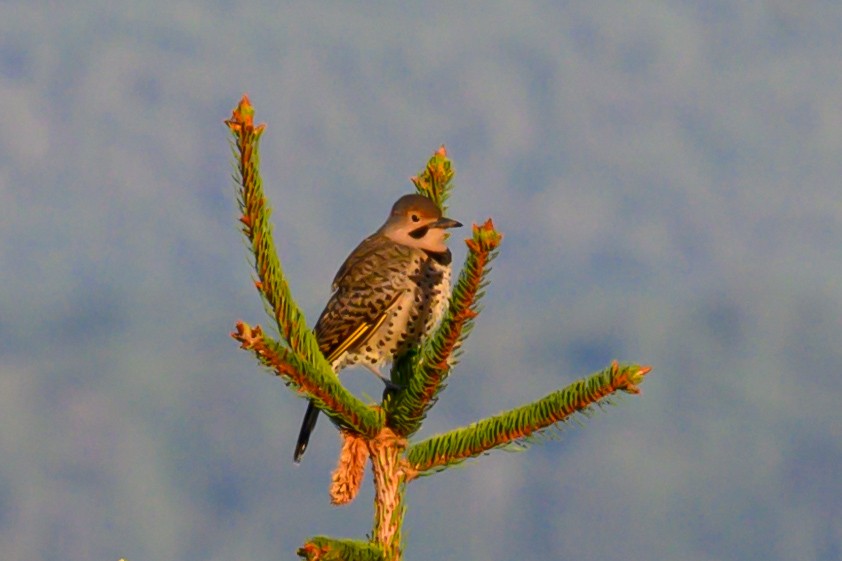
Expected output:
(666, 175)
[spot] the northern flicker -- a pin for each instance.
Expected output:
(387, 296)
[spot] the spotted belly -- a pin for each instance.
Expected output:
(411, 318)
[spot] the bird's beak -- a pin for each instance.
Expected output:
(445, 223)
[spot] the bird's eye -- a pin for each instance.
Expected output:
(414, 217)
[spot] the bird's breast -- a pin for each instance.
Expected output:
(422, 289)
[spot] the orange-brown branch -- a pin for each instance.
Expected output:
(389, 482)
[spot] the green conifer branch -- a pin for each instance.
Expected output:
(422, 375)
(435, 181)
(338, 403)
(520, 425)
(257, 229)
(300, 362)
(323, 548)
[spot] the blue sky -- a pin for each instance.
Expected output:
(666, 175)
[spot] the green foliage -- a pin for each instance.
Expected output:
(435, 181)
(522, 424)
(257, 229)
(323, 548)
(321, 384)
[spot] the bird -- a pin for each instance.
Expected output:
(387, 296)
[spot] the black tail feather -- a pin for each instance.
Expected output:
(307, 426)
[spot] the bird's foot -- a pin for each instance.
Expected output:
(390, 385)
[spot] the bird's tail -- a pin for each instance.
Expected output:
(307, 426)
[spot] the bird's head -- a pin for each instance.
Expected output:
(416, 221)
